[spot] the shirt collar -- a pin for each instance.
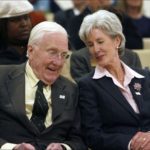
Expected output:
(30, 75)
(129, 73)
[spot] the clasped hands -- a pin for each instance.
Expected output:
(141, 141)
(26, 146)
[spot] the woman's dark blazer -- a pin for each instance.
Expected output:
(108, 121)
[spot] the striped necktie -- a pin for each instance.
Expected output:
(40, 108)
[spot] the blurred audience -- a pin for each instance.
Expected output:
(36, 17)
(45, 5)
(15, 27)
(133, 38)
(74, 24)
(133, 9)
(64, 16)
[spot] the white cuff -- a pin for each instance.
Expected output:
(66, 146)
(129, 148)
(9, 146)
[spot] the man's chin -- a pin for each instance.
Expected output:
(50, 81)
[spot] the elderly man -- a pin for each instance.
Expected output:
(38, 107)
(15, 27)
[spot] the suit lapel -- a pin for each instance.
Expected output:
(59, 98)
(16, 88)
(115, 92)
(16, 92)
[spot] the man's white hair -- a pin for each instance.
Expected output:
(47, 26)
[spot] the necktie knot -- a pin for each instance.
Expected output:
(40, 84)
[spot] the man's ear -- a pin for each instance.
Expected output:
(29, 50)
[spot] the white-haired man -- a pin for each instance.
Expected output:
(54, 126)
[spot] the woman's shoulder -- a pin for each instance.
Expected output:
(144, 72)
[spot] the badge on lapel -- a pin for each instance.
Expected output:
(62, 96)
(137, 88)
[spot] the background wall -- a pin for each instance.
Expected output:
(146, 7)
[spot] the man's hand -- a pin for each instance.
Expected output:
(24, 146)
(141, 141)
(54, 146)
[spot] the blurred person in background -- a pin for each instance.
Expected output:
(74, 23)
(64, 16)
(37, 16)
(133, 9)
(137, 25)
(114, 99)
(45, 5)
(15, 27)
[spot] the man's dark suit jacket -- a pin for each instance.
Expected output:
(80, 62)
(108, 120)
(16, 128)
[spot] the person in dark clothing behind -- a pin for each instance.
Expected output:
(15, 27)
(64, 16)
(133, 39)
(74, 23)
(133, 9)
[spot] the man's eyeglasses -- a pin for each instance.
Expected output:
(56, 54)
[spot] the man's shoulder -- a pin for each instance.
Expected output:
(87, 77)
(7, 69)
(11, 67)
(144, 72)
(64, 80)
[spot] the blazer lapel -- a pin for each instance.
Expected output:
(115, 92)
(59, 98)
(16, 92)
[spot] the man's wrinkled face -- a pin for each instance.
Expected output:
(48, 56)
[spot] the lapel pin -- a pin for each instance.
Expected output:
(137, 93)
(137, 88)
(62, 96)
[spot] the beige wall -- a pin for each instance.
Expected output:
(146, 7)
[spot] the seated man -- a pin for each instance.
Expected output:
(38, 107)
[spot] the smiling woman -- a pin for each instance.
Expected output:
(15, 27)
(113, 98)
